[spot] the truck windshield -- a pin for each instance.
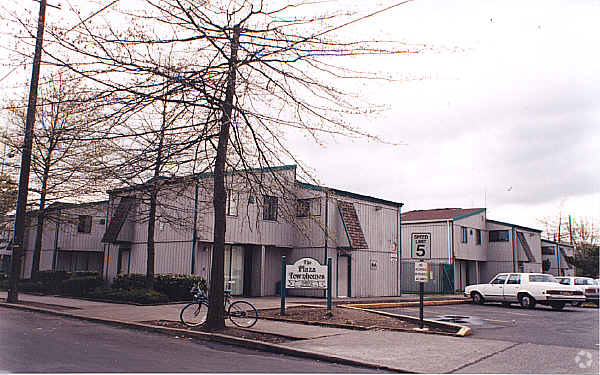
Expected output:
(541, 279)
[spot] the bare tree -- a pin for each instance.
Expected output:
(253, 71)
(63, 156)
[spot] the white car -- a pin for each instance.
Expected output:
(587, 285)
(528, 289)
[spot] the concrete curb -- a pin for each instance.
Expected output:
(462, 330)
(215, 337)
(387, 305)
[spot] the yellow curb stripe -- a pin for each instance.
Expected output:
(406, 304)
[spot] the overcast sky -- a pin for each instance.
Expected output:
(502, 112)
(508, 120)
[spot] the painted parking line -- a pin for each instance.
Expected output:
(495, 320)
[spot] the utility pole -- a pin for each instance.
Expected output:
(19, 233)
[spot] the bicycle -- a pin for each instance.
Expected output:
(241, 313)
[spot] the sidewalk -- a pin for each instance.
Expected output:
(394, 351)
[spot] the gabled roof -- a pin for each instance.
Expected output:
(514, 226)
(198, 176)
(343, 193)
(440, 214)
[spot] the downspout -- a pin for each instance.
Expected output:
(452, 260)
(105, 245)
(449, 243)
(326, 231)
(513, 250)
(557, 260)
(326, 224)
(195, 225)
(399, 252)
(55, 251)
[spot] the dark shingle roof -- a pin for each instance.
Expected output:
(439, 214)
(118, 219)
(356, 236)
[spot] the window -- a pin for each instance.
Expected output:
(541, 279)
(79, 261)
(270, 208)
(514, 279)
(547, 250)
(500, 279)
(464, 235)
(498, 236)
(303, 208)
(308, 207)
(85, 224)
(478, 236)
(583, 282)
(564, 281)
(233, 197)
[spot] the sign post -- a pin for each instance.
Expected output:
(421, 277)
(282, 286)
(328, 284)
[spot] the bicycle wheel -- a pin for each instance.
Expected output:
(242, 314)
(193, 314)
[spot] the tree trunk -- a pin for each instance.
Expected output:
(37, 250)
(39, 230)
(216, 309)
(150, 249)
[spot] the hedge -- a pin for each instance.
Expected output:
(138, 295)
(175, 286)
(81, 286)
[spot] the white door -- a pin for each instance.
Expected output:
(495, 290)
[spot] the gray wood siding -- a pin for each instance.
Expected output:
(470, 250)
(439, 240)
(500, 251)
(368, 282)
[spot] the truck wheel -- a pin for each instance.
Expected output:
(557, 305)
(527, 301)
(477, 298)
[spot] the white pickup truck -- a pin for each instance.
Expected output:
(526, 289)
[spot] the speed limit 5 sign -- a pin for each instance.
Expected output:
(421, 245)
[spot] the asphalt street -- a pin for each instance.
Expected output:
(572, 327)
(33, 342)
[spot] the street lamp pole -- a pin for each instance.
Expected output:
(19, 233)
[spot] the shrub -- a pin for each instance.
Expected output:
(177, 286)
(129, 281)
(139, 295)
(85, 273)
(81, 286)
(34, 286)
(51, 276)
(51, 280)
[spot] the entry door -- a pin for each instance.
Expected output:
(124, 262)
(234, 269)
(342, 276)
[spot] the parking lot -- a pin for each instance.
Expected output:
(571, 327)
